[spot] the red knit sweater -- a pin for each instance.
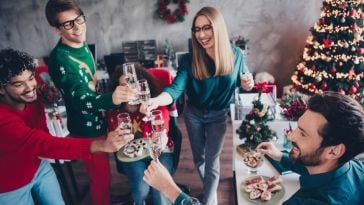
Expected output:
(24, 138)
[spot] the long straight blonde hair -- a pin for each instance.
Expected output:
(223, 52)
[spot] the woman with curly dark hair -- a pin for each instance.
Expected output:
(135, 170)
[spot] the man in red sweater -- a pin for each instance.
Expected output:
(24, 138)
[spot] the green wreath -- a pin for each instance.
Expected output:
(167, 15)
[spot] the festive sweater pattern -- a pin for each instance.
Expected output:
(73, 72)
(140, 128)
(24, 138)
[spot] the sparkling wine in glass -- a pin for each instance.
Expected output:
(154, 146)
(144, 91)
(144, 96)
(155, 139)
(131, 79)
(157, 122)
(124, 122)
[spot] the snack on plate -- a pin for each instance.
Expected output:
(259, 188)
(129, 150)
(266, 196)
(134, 148)
(252, 159)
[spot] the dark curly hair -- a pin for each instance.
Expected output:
(141, 72)
(345, 122)
(54, 7)
(13, 63)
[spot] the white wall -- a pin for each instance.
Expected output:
(276, 29)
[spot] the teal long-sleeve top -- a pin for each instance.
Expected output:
(344, 185)
(213, 93)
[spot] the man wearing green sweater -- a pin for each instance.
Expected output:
(72, 68)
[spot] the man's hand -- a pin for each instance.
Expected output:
(159, 178)
(269, 149)
(114, 141)
(247, 81)
(123, 93)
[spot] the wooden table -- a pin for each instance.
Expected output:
(289, 181)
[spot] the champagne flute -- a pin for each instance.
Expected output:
(144, 96)
(131, 79)
(124, 122)
(155, 139)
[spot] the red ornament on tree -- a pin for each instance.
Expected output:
(360, 51)
(327, 42)
(352, 12)
(322, 21)
(353, 90)
(303, 69)
(313, 68)
(333, 70)
(324, 86)
(313, 87)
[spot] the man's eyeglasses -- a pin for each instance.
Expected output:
(68, 25)
(204, 28)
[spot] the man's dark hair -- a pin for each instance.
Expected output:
(13, 63)
(54, 7)
(345, 122)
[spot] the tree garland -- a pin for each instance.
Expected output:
(167, 15)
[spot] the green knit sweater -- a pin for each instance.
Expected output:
(73, 72)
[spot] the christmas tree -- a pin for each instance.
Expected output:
(254, 128)
(333, 57)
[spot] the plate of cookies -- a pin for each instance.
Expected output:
(133, 151)
(263, 190)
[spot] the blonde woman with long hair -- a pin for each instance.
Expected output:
(209, 76)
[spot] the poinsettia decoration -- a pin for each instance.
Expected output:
(293, 105)
(169, 16)
(48, 92)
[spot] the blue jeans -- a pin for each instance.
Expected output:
(206, 130)
(139, 189)
(44, 189)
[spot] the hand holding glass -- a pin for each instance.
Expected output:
(124, 122)
(155, 139)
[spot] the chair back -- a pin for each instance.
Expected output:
(113, 60)
(165, 78)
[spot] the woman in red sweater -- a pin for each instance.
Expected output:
(135, 170)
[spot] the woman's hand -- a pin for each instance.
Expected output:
(247, 81)
(123, 93)
(148, 106)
